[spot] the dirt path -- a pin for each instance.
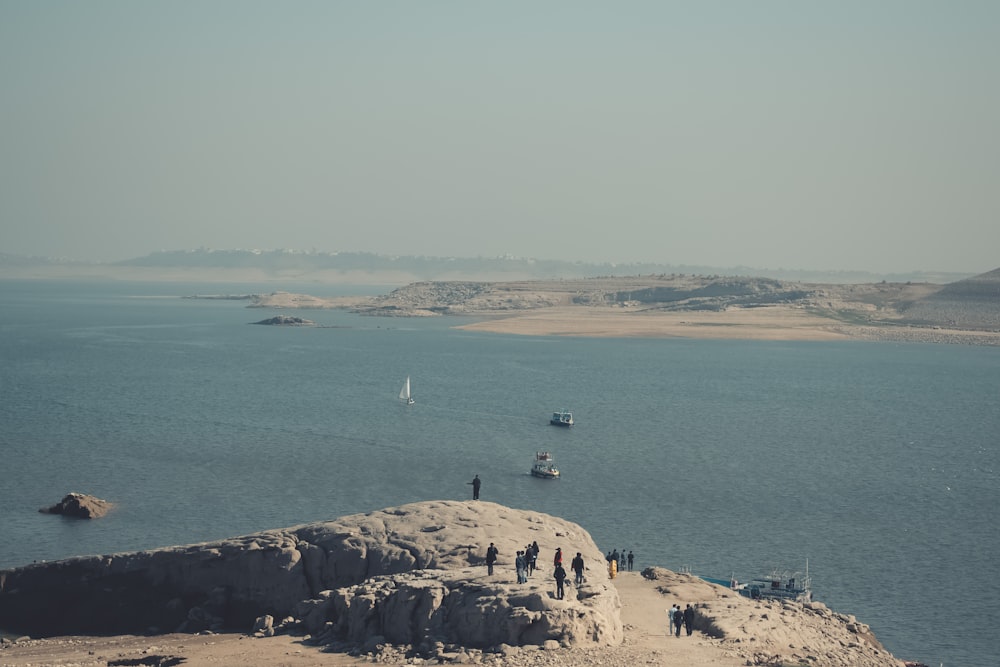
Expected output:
(644, 615)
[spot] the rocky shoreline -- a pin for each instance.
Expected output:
(408, 585)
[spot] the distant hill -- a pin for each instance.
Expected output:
(972, 303)
(370, 268)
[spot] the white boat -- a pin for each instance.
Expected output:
(404, 393)
(779, 585)
(563, 418)
(544, 466)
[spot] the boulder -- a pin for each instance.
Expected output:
(80, 505)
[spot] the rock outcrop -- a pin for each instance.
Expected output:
(81, 506)
(413, 574)
(774, 632)
(286, 321)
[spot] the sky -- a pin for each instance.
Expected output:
(846, 135)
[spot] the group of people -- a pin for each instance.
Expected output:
(526, 561)
(618, 561)
(677, 617)
(560, 572)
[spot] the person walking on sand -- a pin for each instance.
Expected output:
(631, 558)
(613, 568)
(520, 564)
(678, 620)
(476, 483)
(688, 620)
(577, 567)
(670, 619)
(557, 559)
(491, 558)
(560, 574)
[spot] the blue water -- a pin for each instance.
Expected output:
(875, 463)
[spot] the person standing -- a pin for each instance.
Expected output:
(491, 558)
(557, 559)
(560, 578)
(670, 619)
(621, 560)
(688, 619)
(678, 620)
(476, 483)
(520, 564)
(631, 558)
(577, 567)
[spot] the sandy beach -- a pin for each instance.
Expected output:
(775, 323)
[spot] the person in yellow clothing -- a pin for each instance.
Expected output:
(612, 568)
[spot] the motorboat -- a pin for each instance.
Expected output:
(563, 418)
(544, 466)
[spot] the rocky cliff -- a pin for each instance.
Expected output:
(412, 574)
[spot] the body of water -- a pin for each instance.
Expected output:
(876, 463)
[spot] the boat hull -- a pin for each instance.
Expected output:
(546, 474)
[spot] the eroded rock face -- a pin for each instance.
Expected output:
(414, 573)
(81, 506)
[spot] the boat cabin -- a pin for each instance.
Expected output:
(562, 418)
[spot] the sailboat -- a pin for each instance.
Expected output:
(404, 393)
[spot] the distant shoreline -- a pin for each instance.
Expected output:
(775, 324)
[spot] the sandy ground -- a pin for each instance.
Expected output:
(774, 323)
(778, 323)
(643, 616)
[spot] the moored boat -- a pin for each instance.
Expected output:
(544, 466)
(563, 418)
(779, 586)
(793, 586)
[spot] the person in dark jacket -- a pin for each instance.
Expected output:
(689, 620)
(560, 575)
(678, 621)
(491, 558)
(476, 483)
(577, 567)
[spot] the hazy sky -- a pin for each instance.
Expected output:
(818, 135)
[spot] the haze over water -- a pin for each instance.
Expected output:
(876, 463)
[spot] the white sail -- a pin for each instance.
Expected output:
(404, 393)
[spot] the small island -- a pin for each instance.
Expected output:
(80, 506)
(286, 321)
